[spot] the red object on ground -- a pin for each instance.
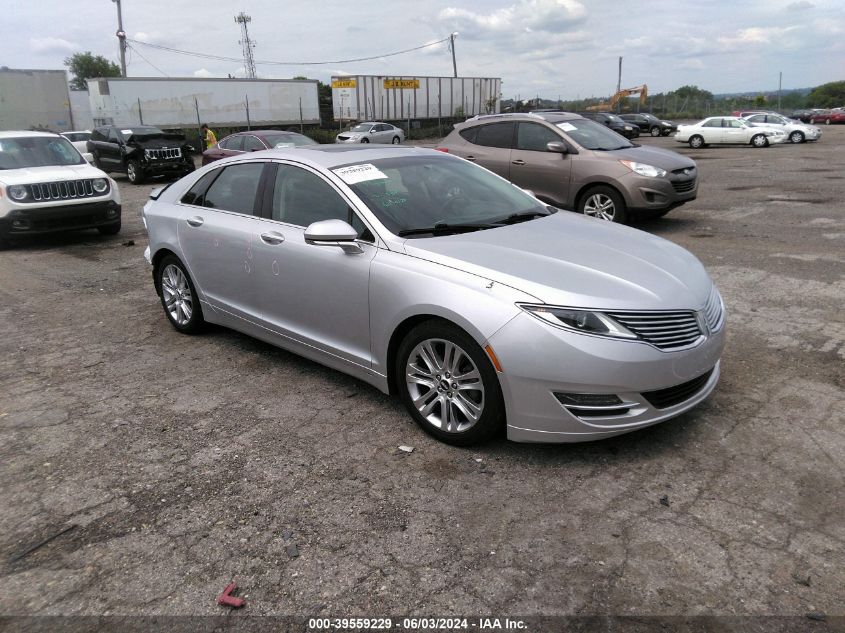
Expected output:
(227, 600)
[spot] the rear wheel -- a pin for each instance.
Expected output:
(696, 142)
(759, 140)
(396, 140)
(178, 296)
(603, 203)
(134, 172)
(797, 137)
(448, 384)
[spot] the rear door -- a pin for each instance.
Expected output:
(546, 174)
(711, 130)
(490, 146)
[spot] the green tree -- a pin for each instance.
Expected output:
(831, 95)
(84, 66)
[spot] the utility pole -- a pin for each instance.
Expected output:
(619, 86)
(452, 37)
(246, 44)
(121, 38)
(780, 83)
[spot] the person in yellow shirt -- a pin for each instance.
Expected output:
(208, 136)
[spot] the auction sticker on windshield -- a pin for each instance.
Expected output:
(359, 173)
(566, 127)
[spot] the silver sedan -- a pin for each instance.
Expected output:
(372, 132)
(431, 278)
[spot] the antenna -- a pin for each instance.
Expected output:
(246, 44)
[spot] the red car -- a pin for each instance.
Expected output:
(828, 117)
(253, 141)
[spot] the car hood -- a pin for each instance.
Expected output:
(570, 260)
(657, 156)
(53, 173)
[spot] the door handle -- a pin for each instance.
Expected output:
(518, 161)
(272, 238)
(470, 157)
(195, 221)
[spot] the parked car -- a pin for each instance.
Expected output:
(79, 139)
(626, 129)
(574, 163)
(140, 151)
(650, 124)
(801, 115)
(372, 132)
(796, 131)
(254, 141)
(428, 277)
(47, 186)
(828, 116)
(727, 130)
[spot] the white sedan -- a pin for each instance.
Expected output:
(372, 132)
(79, 139)
(796, 131)
(727, 130)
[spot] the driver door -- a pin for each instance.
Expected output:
(546, 174)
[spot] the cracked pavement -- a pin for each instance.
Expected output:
(188, 462)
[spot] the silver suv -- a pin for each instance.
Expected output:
(577, 164)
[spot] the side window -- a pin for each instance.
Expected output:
(713, 123)
(734, 123)
(232, 143)
(757, 118)
(97, 135)
(252, 144)
(300, 198)
(469, 134)
(235, 188)
(495, 135)
(195, 193)
(533, 137)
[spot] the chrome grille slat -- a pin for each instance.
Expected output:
(665, 330)
(61, 190)
(166, 154)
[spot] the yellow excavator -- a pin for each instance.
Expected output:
(625, 92)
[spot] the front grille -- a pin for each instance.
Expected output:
(669, 397)
(683, 186)
(342, 138)
(665, 330)
(166, 154)
(65, 190)
(714, 311)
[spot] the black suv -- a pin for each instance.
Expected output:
(650, 123)
(626, 129)
(140, 151)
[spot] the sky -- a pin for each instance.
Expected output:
(554, 49)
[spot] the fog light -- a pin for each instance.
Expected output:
(21, 224)
(111, 213)
(588, 399)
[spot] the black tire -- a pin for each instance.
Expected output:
(111, 229)
(696, 142)
(655, 131)
(594, 203)
(759, 140)
(134, 172)
(797, 136)
(666, 132)
(195, 321)
(365, 140)
(396, 140)
(491, 418)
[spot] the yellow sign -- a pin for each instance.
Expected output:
(343, 83)
(401, 84)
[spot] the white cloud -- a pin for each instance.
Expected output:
(153, 38)
(801, 5)
(526, 16)
(755, 35)
(202, 72)
(52, 45)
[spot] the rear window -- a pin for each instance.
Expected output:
(495, 135)
(469, 134)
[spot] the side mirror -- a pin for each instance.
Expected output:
(333, 233)
(88, 156)
(372, 131)
(557, 147)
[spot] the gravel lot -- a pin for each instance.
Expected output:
(187, 462)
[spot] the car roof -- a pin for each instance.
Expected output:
(329, 156)
(264, 132)
(24, 134)
(550, 117)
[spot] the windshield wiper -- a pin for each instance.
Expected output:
(523, 216)
(442, 227)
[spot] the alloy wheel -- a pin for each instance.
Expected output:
(178, 299)
(600, 206)
(445, 385)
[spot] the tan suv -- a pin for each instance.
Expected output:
(577, 164)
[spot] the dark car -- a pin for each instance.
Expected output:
(801, 115)
(648, 123)
(253, 141)
(626, 129)
(828, 116)
(140, 151)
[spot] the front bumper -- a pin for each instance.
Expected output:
(644, 193)
(34, 220)
(539, 360)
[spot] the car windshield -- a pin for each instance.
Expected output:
(77, 136)
(37, 151)
(362, 127)
(651, 117)
(146, 130)
(288, 140)
(418, 192)
(592, 135)
(615, 118)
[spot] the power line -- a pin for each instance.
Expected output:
(141, 55)
(275, 63)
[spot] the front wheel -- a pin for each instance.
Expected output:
(134, 172)
(759, 140)
(396, 140)
(603, 203)
(655, 131)
(448, 384)
(365, 140)
(796, 137)
(696, 142)
(178, 296)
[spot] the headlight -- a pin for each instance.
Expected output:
(17, 192)
(644, 170)
(583, 321)
(100, 185)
